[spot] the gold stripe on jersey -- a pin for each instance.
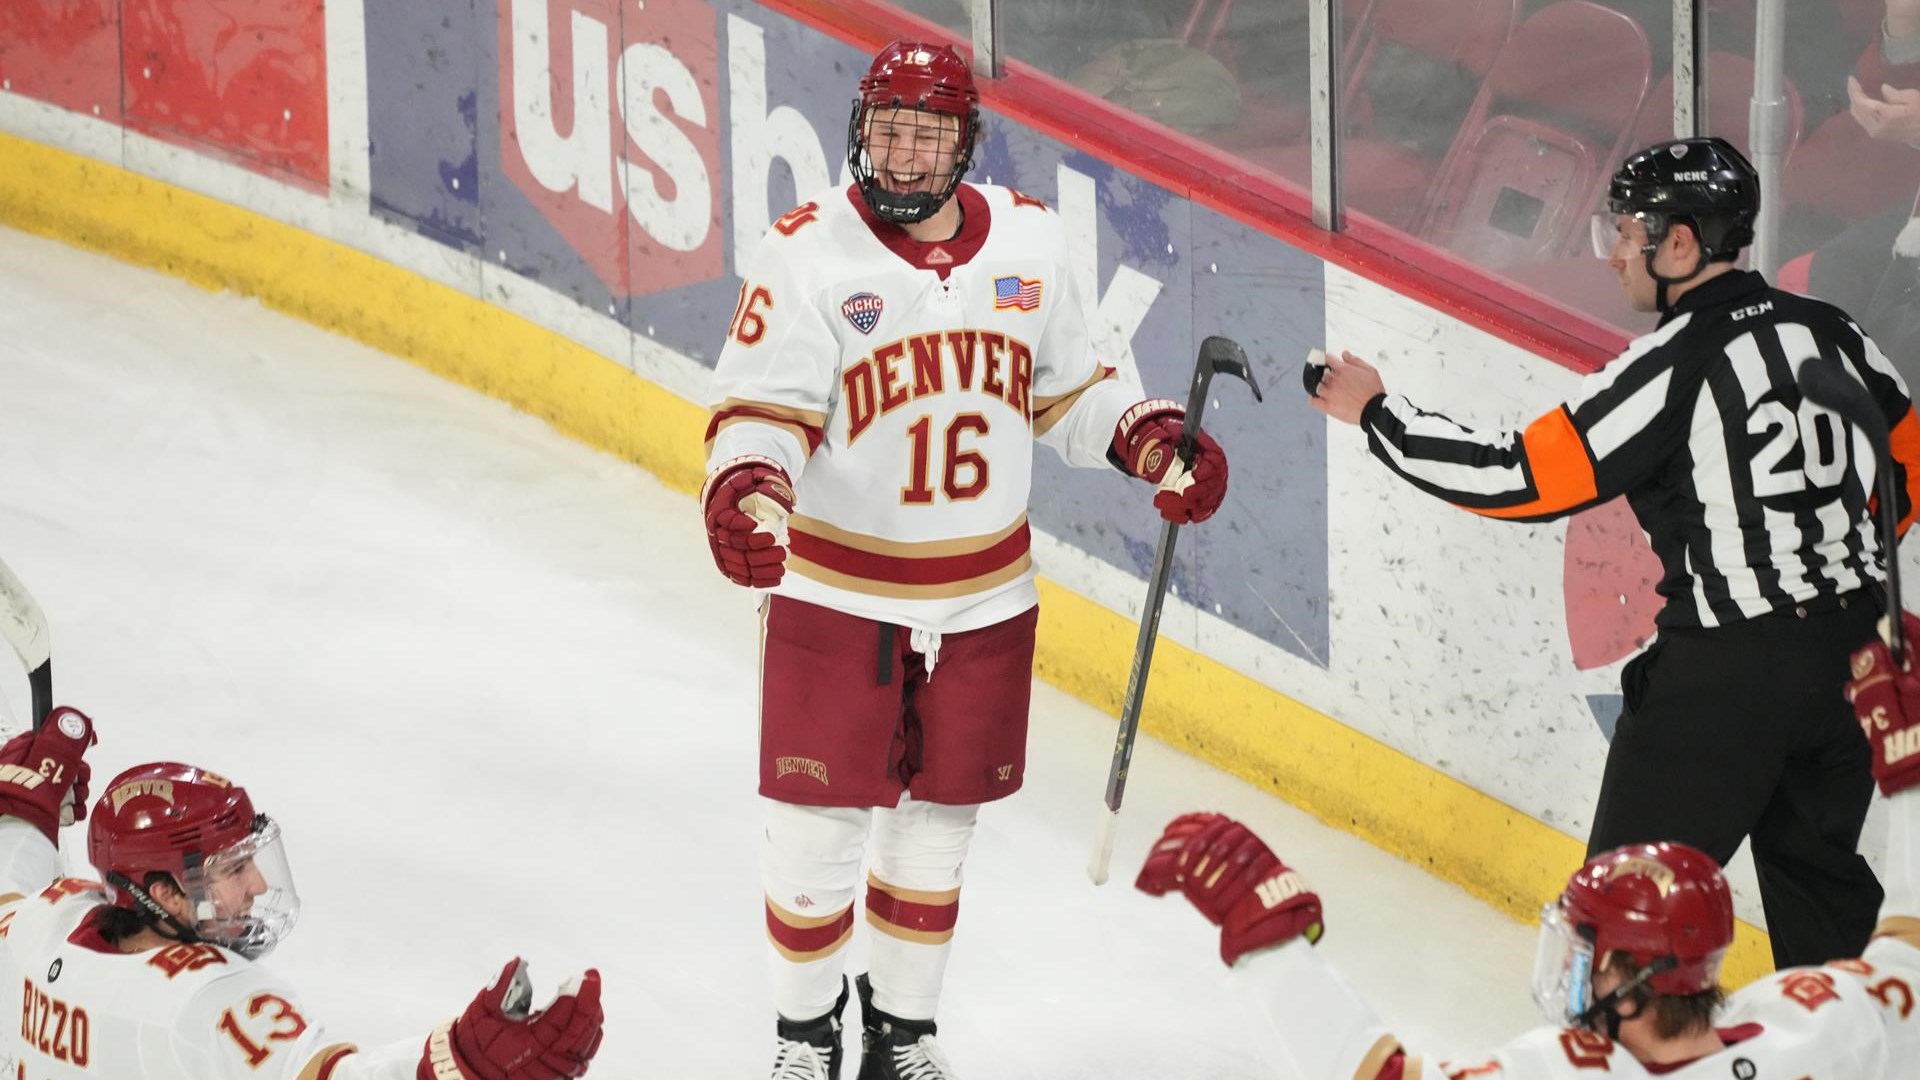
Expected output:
(943, 591)
(808, 957)
(1903, 927)
(803, 424)
(1047, 411)
(1377, 1058)
(322, 1064)
(905, 549)
(914, 896)
(12, 897)
(901, 933)
(799, 946)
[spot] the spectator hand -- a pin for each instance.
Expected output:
(43, 779)
(1886, 700)
(1346, 386)
(1235, 880)
(1894, 116)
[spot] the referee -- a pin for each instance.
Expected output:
(1757, 503)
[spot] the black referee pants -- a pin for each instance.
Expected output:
(1743, 731)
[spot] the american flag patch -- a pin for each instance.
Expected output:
(862, 310)
(1015, 292)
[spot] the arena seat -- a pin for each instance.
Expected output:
(1386, 173)
(1543, 136)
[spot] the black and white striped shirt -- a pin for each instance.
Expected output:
(1754, 499)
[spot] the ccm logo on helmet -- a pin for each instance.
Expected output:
(160, 789)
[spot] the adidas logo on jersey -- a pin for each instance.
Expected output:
(915, 367)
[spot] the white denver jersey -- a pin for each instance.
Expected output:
(1849, 1020)
(186, 1012)
(901, 385)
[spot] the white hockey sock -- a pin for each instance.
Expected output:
(913, 900)
(810, 866)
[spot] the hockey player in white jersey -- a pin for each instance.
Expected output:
(1629, 959)
(898, 346)
(151, 975)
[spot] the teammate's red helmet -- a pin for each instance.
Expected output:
(908, 75)
(1653, 901)
(201, 830)
(159, 816)
(930, 79)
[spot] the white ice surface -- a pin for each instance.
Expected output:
(490, 684)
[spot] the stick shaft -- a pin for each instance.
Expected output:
(1149, 628)
(1142, 665)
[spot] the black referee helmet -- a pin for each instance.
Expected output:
(1702, 182)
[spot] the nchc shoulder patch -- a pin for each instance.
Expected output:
(862, 309)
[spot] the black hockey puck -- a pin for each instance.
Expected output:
(1310, 376)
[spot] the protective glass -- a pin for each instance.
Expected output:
(1562, 968)
(243, 896)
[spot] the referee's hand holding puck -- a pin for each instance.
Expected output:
(1343, 386)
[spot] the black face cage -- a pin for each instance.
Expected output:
(915, 206)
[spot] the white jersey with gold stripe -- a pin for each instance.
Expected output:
(902, 385)
(88, 1011)
(1849, 1020)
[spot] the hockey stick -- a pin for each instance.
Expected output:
(1217, 354)
(1825, 383)
(26, 630)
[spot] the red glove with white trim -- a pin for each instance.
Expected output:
(1886, 699)
(1236, 881)
(746, 502)
(1144, 442)
(499, 1037)
(43, 777)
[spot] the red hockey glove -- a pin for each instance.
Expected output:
(43, 778)
(1144, 442)
(746, 503)
(499, 1038)
(1236, 881)
(1887, 703)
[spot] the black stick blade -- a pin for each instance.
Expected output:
(1224, 355)
(40, 679)
(1825, 383)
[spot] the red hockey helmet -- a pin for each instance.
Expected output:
(926, 78)
(909, 75)
(201, 830)
(1666, 906)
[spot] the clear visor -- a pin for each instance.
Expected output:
(243, 897)
(1562, 968)
(1606, 233)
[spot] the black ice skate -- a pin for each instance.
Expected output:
(896, 1049)
(810, 1049)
